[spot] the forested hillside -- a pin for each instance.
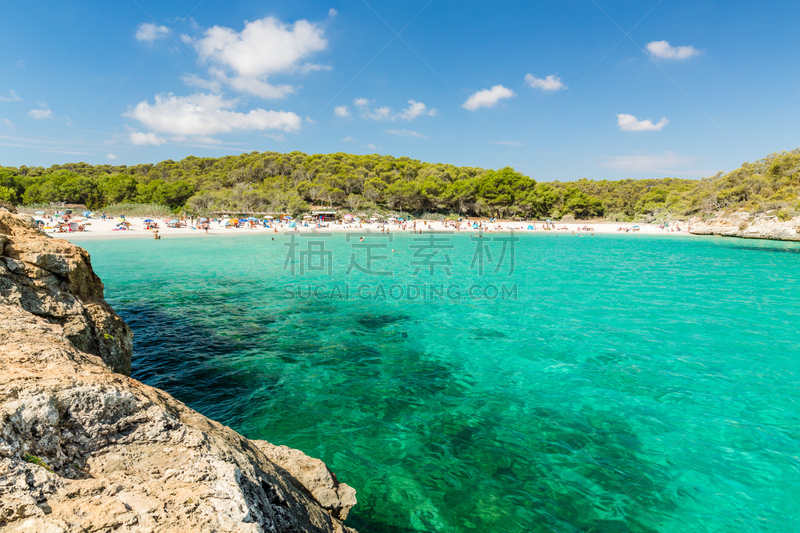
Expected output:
(270, 181)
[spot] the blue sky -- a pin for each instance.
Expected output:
(560, 90)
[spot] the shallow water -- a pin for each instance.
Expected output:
(618, 384)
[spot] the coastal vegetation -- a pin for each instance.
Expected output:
(293, 182)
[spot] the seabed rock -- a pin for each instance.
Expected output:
(84, 447)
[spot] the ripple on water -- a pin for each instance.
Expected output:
(636, 385)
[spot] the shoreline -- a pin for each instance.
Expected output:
(104, 229)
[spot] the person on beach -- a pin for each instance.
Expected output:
(156, 235)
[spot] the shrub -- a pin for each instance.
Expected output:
(37, 461)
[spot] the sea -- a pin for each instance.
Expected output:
(492, 382)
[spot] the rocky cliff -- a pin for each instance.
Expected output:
(84, 447)
(743, 224)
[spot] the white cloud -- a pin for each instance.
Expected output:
(263, 48)
(373, 147)
(668, 163)
(148, 32)
(416, 109)
(347, 139)
(142, 139)
(332, 12)
(112, 156)
(12, 97)
(342, 111)
(8, 123)
(251, 85)
(381, 113)
(550, 83)
(207, 114)
(40, 114)
(631, 123)
(487, 97)
(663, 50)
(407, 133)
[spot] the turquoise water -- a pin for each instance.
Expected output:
(619, 384)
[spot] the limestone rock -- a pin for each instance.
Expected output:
(312, 476)
(742, 224)
(83, 447)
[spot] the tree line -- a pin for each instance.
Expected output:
(293, 182)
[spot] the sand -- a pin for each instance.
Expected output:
(104, 229)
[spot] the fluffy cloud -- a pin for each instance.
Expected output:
(40, 114)
(414, 110)
(407, 133)
(207, 114)
(111, 156)
(8, 123)
(263, 48)
(550, 83)
(631, 123)
(663, 50)
(148, 32)
(381, 113)
(144, 139)
(341, 111)
(487, 97)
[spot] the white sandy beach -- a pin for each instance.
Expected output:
(97, 228)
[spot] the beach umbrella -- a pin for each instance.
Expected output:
(149, 220)
(87, 213)
(68, 211)
(203, 220)
(40, 212)
(174, 222)
(269, 217)
(287, 217)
